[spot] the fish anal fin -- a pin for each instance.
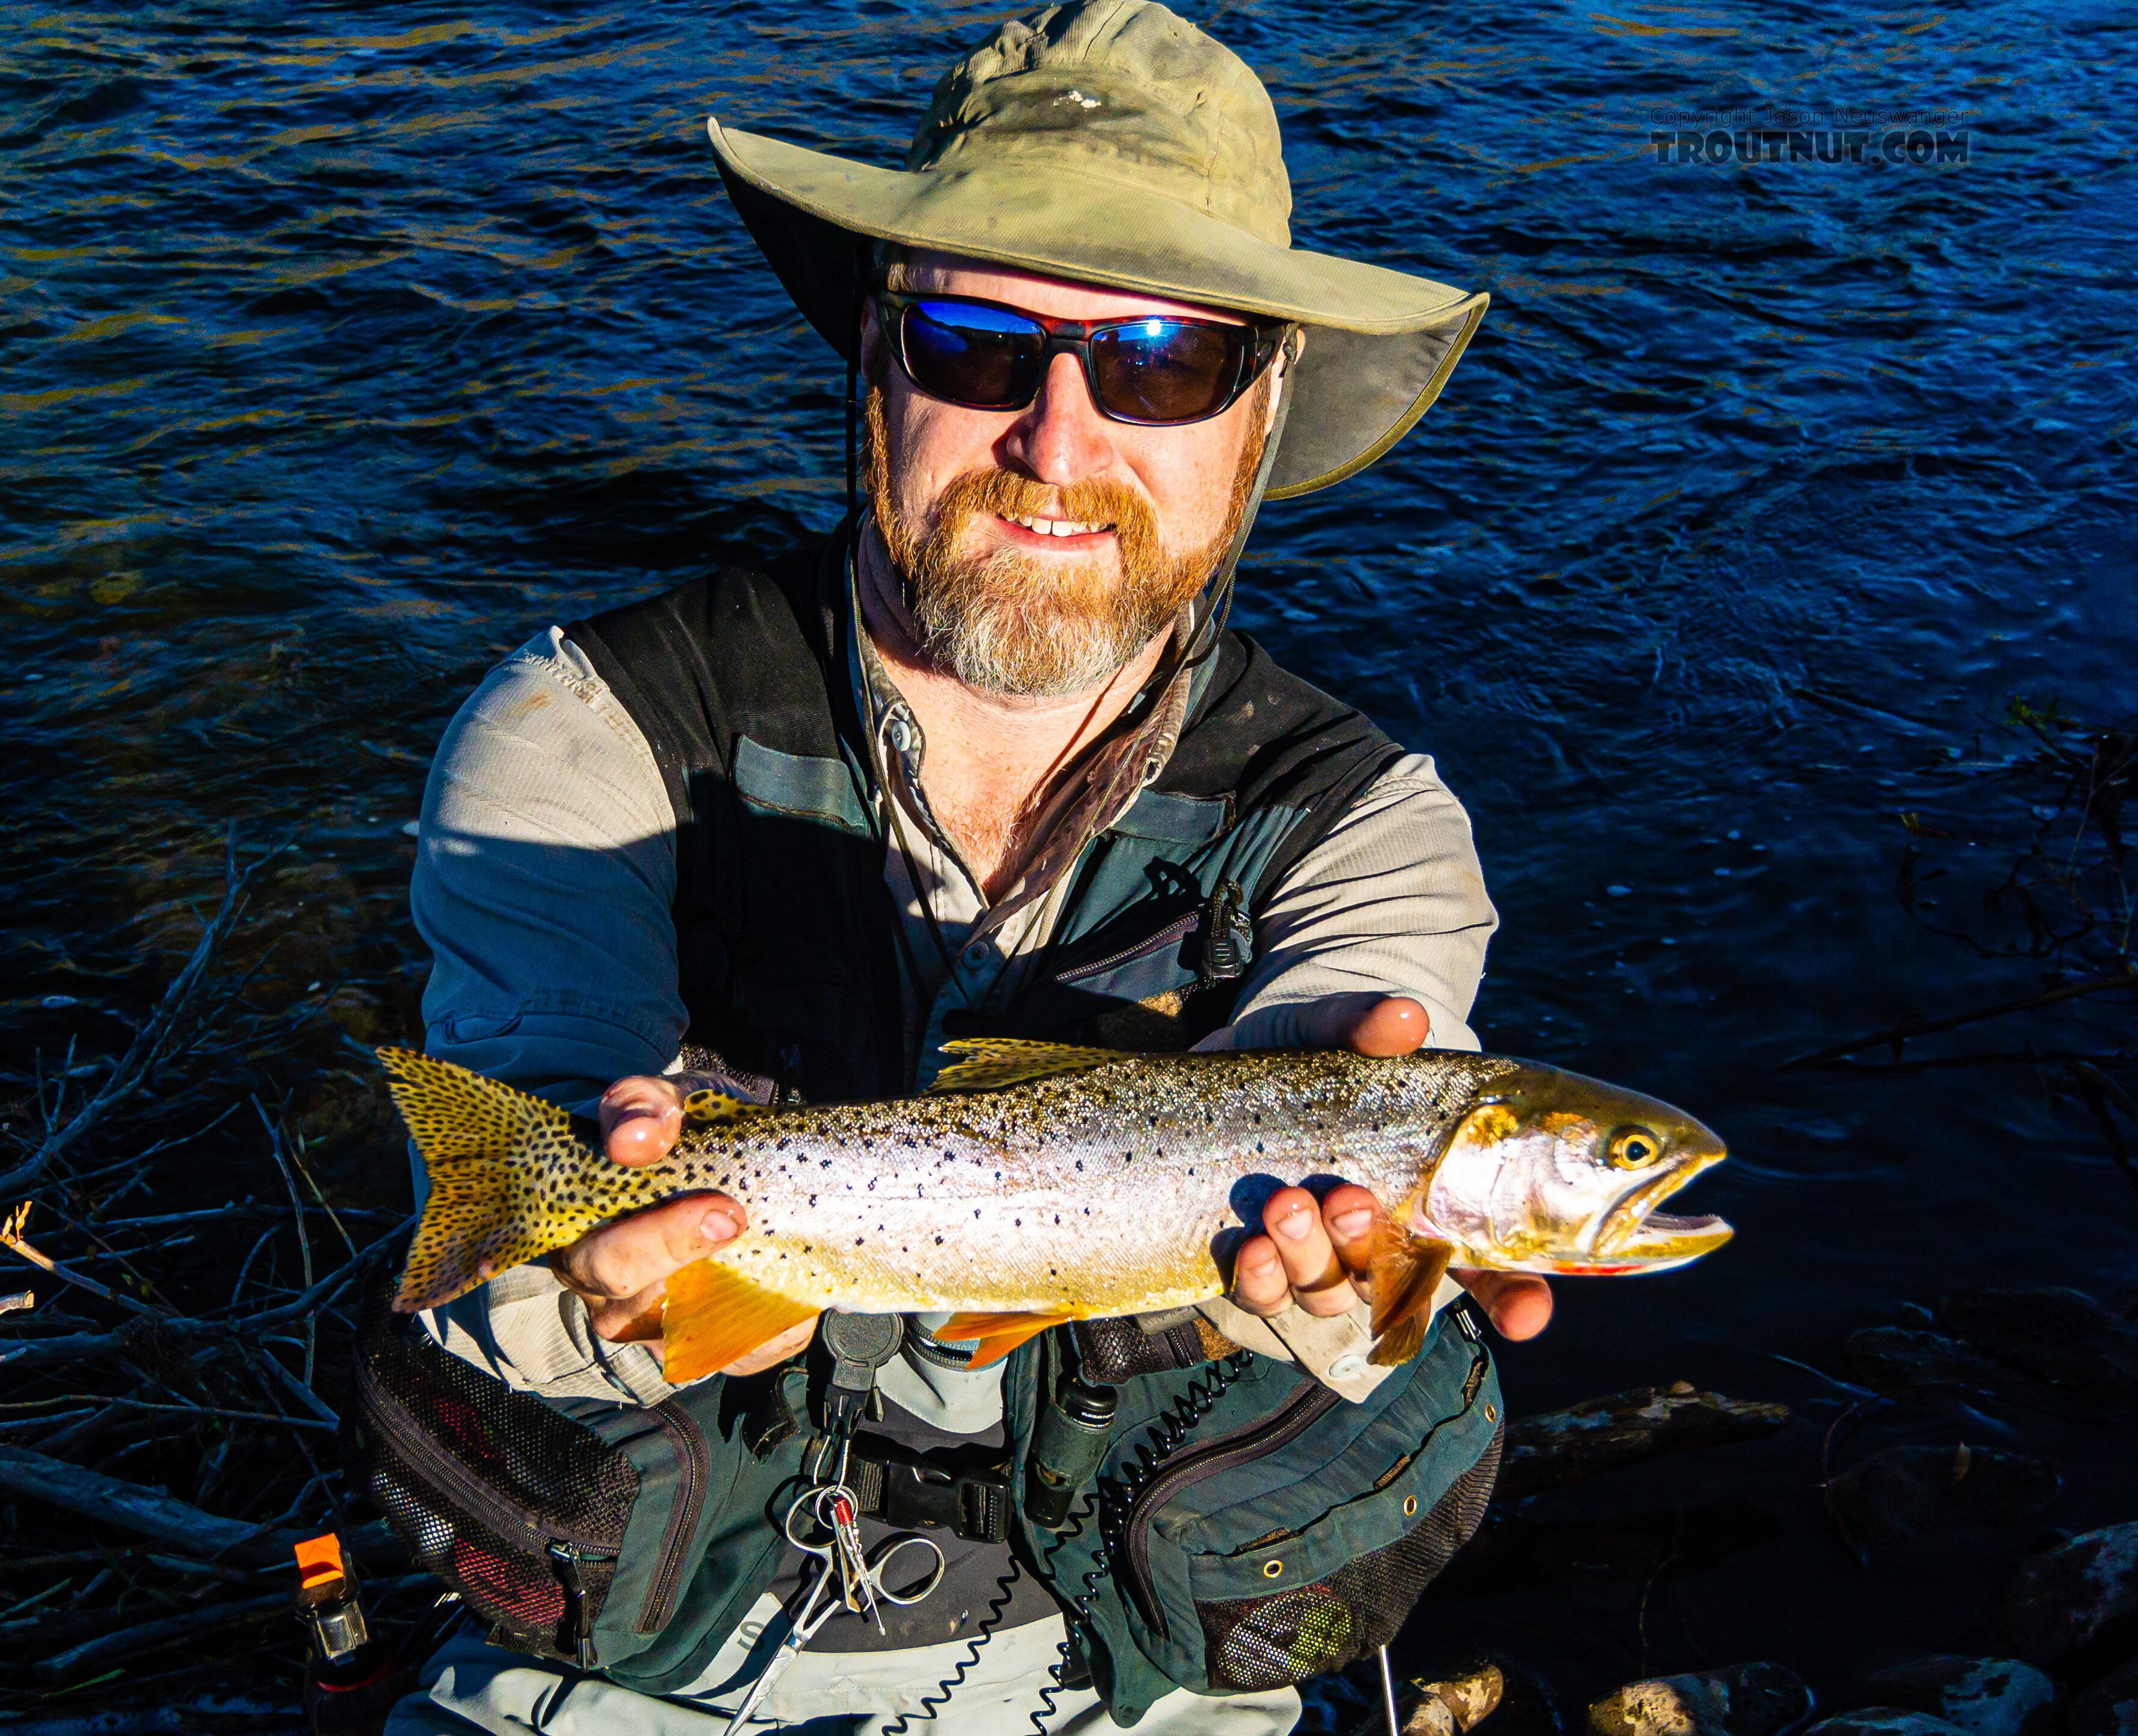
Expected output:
(989, 1063)
(1406, 1269)
(711, 1108)
(997, 1334)
(715, 1316)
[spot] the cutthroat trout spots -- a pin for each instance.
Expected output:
(1013, 1193)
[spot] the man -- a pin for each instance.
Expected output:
(986, 763)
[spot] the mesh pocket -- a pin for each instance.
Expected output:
(516, 1507)
(1115, 1349)
(1254, 1643)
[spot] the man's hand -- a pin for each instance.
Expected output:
(1316, 1254)
(622, 1269)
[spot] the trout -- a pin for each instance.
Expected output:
(1036, 1183)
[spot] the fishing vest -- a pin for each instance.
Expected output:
(1259, 1529)
(785, 931)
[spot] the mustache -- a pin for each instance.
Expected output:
(1102, 502)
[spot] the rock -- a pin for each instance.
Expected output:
(1746, 1699)
(1457, 1704)
(2109, 1707)
(1892, 1358)
(2062, 1336)
(1983, 1696)
(1906, 1491)
(1603, 1434)
(2073, 1610)
(1883, 1721)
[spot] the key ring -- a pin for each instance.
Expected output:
(879, 1559)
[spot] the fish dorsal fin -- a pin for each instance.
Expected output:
(714, 1315)
(989, 1063)
(713, 1109)
(1407, 1269)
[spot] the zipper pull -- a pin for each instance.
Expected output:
(1226, 935)
(564, 1561)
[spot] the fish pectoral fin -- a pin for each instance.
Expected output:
(485, 1146)
(988, 1063)
(715, 1316)
(998, 1335)
(1406, 1269)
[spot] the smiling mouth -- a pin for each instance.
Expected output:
(1056, 527)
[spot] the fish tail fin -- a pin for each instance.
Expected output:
(484, 1147)
(1406, 1269)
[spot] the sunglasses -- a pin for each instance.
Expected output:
(1153, 370)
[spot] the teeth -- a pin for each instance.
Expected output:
(1058, 527)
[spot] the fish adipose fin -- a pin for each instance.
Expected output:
(485, 1148)
(714, 1316)
(988, 1063)
(998, 1335)
(1406, 1269)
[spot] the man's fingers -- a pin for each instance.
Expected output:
(1518, 1304)
(1349, 1213)
(640, 1118)
(626, 1259)
(1259, 1285)
(1317, 1278)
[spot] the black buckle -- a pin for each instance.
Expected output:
(911, 1494)
(973, 1505)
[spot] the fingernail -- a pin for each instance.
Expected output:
(1295, 1226)
(1352, 1225)
(719, 1225)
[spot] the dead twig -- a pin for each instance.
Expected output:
(12, 1239)
(1895, 1035)
(154, 1043)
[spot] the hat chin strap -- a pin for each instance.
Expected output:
(1210, 628)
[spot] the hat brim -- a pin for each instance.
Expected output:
(1380, 346)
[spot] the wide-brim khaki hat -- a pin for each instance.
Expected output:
(1111, 143)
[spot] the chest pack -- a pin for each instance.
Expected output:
(785, 931)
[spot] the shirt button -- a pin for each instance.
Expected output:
(976, 953)
(901, 738)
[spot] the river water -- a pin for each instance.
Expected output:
(343, 347)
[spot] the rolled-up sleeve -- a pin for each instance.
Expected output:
(545, 872)
(1392, 901)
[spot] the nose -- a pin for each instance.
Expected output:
(1061, 438)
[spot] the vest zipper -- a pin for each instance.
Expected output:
(1291, 1419)
(1172, 931)
(469, 1492)
(694, 1461)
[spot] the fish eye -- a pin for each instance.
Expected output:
(1633, 1148)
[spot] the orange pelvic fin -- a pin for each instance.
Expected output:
(998, 1335)
(1407, 1269)
(714, 1315)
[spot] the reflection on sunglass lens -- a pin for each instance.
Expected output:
(982, 356)
(1165, 370)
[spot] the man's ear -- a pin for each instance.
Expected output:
(874, 357)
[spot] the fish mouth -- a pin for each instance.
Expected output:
(1634, 1236)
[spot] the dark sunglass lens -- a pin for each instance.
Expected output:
(982, 356)
(1166, 370)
